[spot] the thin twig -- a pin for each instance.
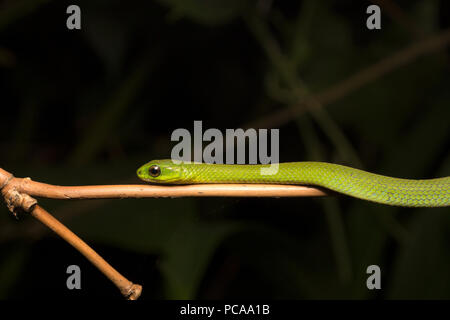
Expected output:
(128, 289)
(17, 193)
(299, 89)
(38, 189)
(356, 81)
(396, 13)
(17, 200)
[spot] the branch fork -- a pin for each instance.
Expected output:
(17, 201)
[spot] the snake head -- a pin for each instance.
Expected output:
(160, 171)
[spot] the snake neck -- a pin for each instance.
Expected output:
(283, 173)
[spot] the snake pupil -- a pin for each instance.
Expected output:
(154, 171)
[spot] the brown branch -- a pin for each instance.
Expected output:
(38, 189)
(17, 201)
(17, 193)
(356, 81)
(128, 289)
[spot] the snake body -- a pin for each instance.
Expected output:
(346, 180)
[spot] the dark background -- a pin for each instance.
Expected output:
(90, 106)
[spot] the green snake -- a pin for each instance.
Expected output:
(349, 181)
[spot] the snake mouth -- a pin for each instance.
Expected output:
(140, 173)
(160, 172)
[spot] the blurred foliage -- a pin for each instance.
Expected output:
(90, 106)
(206, 12)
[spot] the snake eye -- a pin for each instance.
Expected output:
(154, 171)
